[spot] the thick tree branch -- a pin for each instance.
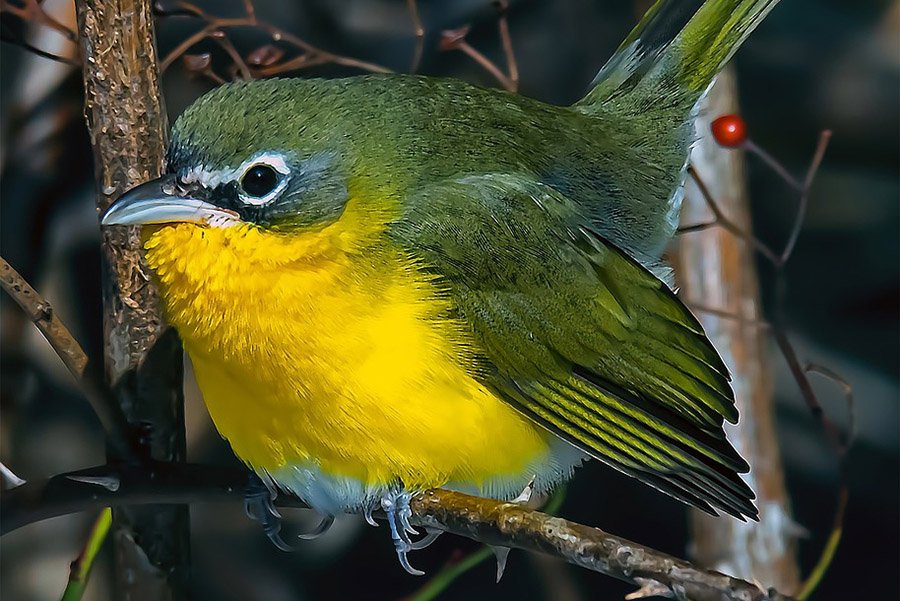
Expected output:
(127, 124)
(718, 268)
(485, 520)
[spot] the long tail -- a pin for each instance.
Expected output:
(672, 56)
(647, 94)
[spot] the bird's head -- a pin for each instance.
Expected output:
(260, 153)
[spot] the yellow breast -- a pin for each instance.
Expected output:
(322, 348)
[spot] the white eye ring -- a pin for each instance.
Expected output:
(275, 162)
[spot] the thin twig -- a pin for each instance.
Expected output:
(849, 399)
(812, 401)
(455, 39)
(512, 67)
(486, 520)
(249, 9)
(821, 147)
(837, 529)
(726, 223)
(413, 8)
(696, 227)
(216, 27)
(237, 60)
(42, 315)
(839, 445)
(772, 163)
(32, 11)
(42, 53)
(829, 550)
(487, 64)
(756, 323)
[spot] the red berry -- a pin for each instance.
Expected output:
(729, 131)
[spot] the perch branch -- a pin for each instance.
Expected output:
(485, 520)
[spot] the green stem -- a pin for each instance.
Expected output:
(449, 573)
(831, 546)
(81, 567)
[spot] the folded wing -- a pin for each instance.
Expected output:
(580, 337)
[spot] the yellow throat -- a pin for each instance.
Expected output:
(331, 349)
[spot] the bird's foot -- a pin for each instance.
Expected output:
(396, 507)
(259, 506)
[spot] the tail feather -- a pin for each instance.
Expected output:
(673, 54)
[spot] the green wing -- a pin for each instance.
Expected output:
(580, 337)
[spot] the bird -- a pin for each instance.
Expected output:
(391, 283)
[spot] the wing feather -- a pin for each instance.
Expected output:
(580, 337)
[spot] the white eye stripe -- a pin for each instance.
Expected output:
(212, 178)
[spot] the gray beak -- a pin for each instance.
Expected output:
(164, 200)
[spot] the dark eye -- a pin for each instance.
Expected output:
(259, 181)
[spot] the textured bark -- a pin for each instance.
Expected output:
(127, 125)
(715, 269)
(486, 520)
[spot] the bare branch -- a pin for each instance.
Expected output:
(726, 223)
(413, 8)
(821, 147)
(512, 67)
(485, 520)
(216, 29)
(240, 64)
(839, 445)
(455, 39)
(37, 51)
(42, 315)
(32, 11)
(722, 314)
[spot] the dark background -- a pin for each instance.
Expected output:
(811, 65)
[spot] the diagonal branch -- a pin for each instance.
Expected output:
(485, 520)
(42, 315)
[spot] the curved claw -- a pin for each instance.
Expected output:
(404, 563)
(395, 507)
(425, 541)
(259, 507)
(367, 514)
(323, 526)
(279, 542)
(404, 513)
